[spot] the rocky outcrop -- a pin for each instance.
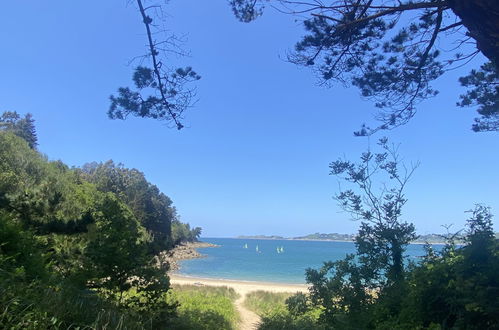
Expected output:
(183, 251)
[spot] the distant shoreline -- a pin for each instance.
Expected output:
(321, 240)
(289, 239)
(188, 251)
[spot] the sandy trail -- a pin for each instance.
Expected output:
(249, 320)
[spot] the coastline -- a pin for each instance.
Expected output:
(181, 252)
(248, 319)
(322, 240)
(241, 287)
(188, 250)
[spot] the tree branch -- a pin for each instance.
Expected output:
(156, 67)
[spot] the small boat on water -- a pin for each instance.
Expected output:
(245, 246)
(258, 250)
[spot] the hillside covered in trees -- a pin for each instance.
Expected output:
(78, 245)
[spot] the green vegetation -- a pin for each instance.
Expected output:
(283, 319)
(263, 302)
(283, 310)
(205, 308)
(392, 51)
(182, 232)
(23, 127)
(376, 288)
(78, 246)
(452, 289)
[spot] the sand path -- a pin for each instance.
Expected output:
(249, 320)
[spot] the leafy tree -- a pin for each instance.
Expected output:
(344, 289)
(160, 92)
(42, 194)
(20, 255)
(118, 259)
(22, 127)
(382, 235)
(458, 287)
(182, 232)
(483, 93)
(151, 207)
(195, 233)
(117, 246)
(393, 50)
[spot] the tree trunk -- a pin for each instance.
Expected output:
(481, 18)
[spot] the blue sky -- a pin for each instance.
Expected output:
(254, 156)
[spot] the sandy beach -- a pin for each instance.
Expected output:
(242, 287)
(249, 320)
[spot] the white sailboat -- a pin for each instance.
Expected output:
(257, 250)
(245, 246)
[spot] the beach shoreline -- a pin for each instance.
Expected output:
(238, 285)
(249, 320)
(189, 251)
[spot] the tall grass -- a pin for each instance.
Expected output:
(37, 306)
(41, 307)
(271, 306)
(204, 307)
(264, 302)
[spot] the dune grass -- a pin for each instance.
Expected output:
(205, 307)
(271, 306)
(264, 302)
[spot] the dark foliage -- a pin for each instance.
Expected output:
(150, 206)
(393, 50)
(160, 91)
(483, 92)
(382, 235)
(182, 232)
(22, 127)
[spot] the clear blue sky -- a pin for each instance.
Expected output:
(254, 157)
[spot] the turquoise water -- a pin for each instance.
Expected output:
(232, 261)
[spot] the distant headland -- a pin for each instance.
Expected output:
(428, 238)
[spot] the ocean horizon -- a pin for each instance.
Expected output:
(269, 260)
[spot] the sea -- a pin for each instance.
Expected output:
(269, 260)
